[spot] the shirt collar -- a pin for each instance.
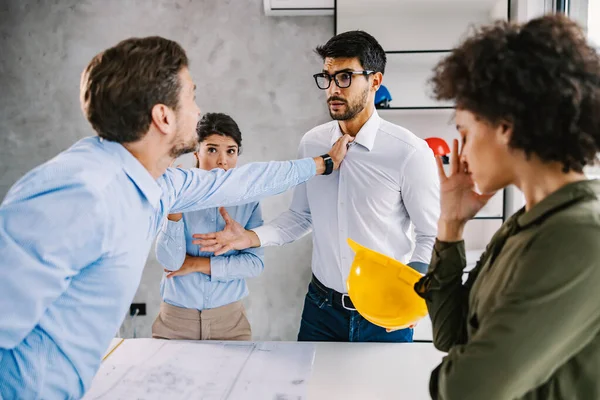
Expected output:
(135, 170)
(366, 135)
(563, 197)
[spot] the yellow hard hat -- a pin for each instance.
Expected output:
(382, 289)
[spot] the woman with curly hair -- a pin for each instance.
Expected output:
(526, 324)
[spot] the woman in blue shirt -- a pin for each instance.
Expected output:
(202, 293)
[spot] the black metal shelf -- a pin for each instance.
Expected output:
(418, 108)
(303, 9)
(416, 51)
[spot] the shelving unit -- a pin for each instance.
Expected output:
(585, 12)
(418, 108)
(416, 34)
(406, 77)
(417, 51)
(592, 172)
(280, 8)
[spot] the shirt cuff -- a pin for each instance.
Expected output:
(218, 268)
(308, 168)
(451, 256)
(434, 381)
(268, 235)
(174, 228)
(418, 266)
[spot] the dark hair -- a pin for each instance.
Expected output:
(120, 86)
(542, 77)
(219, 124)
(355, 44)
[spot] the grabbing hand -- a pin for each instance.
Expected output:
(339, 150)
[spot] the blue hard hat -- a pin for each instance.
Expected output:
(382, 94)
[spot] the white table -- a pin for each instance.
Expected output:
(373, 371)
(352, 370)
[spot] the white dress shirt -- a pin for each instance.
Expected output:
(387, 180)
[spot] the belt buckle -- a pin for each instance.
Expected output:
(345, 296)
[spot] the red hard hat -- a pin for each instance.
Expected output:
(438, 145)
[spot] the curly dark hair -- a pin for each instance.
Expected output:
(541, 77)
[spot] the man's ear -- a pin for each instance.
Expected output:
(377, 81)
(163, 117)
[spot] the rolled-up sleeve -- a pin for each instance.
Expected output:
(170, 245)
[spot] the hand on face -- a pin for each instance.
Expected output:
(459, 200)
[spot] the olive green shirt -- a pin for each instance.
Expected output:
(526, 324)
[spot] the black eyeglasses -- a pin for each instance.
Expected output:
(343, 79)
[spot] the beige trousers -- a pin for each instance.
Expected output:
(228, 322)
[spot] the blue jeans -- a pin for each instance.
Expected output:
(323, 321)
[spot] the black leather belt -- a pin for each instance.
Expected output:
(340, 299)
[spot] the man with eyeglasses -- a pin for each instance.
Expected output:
(387, 181)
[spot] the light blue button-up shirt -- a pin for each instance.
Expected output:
(226, 283)
(74, 237)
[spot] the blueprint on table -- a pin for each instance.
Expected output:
(160, 369)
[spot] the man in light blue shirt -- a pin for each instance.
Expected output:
(76, 231)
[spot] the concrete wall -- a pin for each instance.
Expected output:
(256, 68)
